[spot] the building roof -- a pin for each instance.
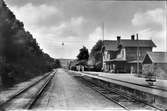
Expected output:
(113, 44)
(110, 45)
(155, 57)
(118, 59)
(135, 61)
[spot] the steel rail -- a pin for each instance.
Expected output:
(132, 97)
(158, 88)
(120, 94)
(22, 91)
(126, 96)
(111, 99)
(39, 93)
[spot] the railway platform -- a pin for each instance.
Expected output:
(156, 93)
(129, 80)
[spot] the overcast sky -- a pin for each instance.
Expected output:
(79, 22)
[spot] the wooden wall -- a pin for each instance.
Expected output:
(131, 52)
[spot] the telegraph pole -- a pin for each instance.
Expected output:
(102, 45)
(165, 23)
(103, 31)
(137, 55)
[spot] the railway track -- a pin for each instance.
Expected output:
(125, 101)
(27, 97)
(147, 86)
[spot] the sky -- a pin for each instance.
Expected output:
(62, 27)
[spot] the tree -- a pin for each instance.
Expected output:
(96, 55)
(96, 51)
(21, 54)
(57, 63)
(83, 54)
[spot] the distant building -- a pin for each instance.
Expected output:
(156, 63)
(125, 55)
(65, 62)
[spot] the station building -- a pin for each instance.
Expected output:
(125, 55)
(155, 63)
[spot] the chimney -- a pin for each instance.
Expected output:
(132, 37)
(118, 39)
(137, 36)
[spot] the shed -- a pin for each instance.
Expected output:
(156, 62)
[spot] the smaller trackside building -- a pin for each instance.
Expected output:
(156, 63)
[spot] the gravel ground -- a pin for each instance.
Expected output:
(5, 94)
(67, 93)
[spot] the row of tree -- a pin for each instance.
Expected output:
(92, 61)
(20, 55)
